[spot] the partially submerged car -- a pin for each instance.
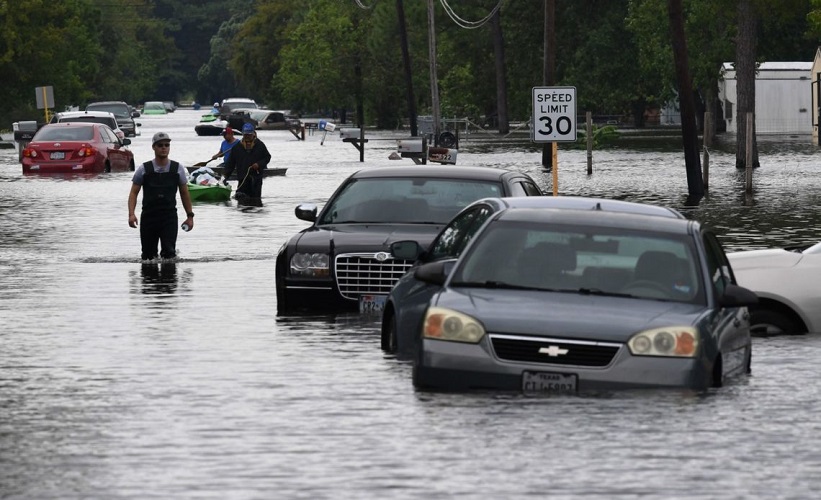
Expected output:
(125, 117)
(342, 261)
(76, 148)
(104, 117)
(405, 306)
(786, 282)
(564, 301)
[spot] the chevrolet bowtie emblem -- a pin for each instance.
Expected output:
(553, 351)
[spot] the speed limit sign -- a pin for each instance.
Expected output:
(554, 114)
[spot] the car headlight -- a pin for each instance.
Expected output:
(680, 341)
(446, 324)
(310, 264)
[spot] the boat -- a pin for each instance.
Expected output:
(268, 172)
(215, 192)
(210, 126)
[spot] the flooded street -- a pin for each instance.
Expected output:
(119, 381)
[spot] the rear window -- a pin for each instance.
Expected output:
(64, 134)
(89, 119)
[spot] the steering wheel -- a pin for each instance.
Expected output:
(657, 289)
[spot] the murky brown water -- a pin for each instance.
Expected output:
(182, 383)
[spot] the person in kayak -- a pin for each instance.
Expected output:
(249, 157)
(226, 145)
(162, 178)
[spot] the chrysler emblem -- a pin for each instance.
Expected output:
(382, 256)
(553, 351)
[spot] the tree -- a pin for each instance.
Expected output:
(745, 68)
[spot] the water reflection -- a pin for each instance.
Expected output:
(159, 278)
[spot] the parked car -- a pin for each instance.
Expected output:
(231, 104)
(104, 117)
(122, 111)
(263, 119)
(786, 282)
(76, 148)
(170, 107)
(563, 300)
(342, 262)
(154, 108)
(404, 310)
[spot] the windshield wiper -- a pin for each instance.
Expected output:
(597, 291)
(502, 285)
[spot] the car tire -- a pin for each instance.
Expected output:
(718, 372)
(131, 166)
(749, 366)
(447, 140)
(389, 344)
(769, 323)
(107, 167)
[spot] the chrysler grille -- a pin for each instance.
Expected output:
(579, 353)
(361, 274)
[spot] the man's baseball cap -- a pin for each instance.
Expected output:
(248, 128)
(159, 136)
(227, 130)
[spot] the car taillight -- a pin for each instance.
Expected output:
(30, 153)
(86, 151)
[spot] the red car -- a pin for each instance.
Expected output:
(76, 148)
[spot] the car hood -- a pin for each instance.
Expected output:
(364, 237)
(567, 315)
(771, 258)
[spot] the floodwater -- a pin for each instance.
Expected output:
(119, 381)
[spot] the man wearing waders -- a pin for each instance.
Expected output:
(160, 179)
(249, 157)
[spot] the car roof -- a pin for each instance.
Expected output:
(434, 172)
(620, 220)
(71, 114)
(107, 103)
(582, 203)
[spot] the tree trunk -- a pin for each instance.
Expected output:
(501, 80)
(406, 62)
(549, 76)
(689, 129)
(745, 77)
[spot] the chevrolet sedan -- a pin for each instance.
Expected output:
(786, 282)
(342, 261)
(564, 301)
(405, 306)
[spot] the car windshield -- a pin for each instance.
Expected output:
(405, 200)
(119, 110)
(64, 134)
(587, 260)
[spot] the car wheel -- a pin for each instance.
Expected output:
(131, 166)
(389, 333)
(749, 359)
(107, 167)
(718, 372)
(768, 323)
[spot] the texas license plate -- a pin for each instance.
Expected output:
(547, 382)
(372, 304)
(58, 155)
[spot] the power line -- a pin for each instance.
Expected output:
(468, 24)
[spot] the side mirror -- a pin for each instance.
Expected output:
(434, 273)
(406, 249)
(306, 212)
(126, 141)
(738, 296)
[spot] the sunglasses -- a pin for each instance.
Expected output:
(163, 145)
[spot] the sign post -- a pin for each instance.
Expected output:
(45, 98)
(554, 120)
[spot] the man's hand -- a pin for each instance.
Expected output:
(132, 220)
(255, 167)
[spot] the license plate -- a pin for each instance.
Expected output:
(546, 382)
(372, 304)
(58, 155)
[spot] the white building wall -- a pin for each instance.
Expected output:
(783, 98)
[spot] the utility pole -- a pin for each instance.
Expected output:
(406, 61)
(434, 82)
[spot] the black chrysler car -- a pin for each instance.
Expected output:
(343, 261)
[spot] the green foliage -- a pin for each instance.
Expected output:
(601, 135)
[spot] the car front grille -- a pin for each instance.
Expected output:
(554, 351)
(363, 274)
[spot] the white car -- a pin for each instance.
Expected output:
(104, 117)
(786, 282)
